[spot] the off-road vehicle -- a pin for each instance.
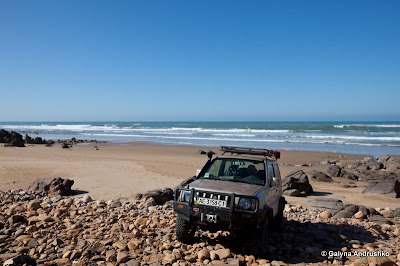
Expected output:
(242, 190)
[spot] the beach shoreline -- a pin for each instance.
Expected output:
(121, 170)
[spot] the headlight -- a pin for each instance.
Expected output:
(184, 196)
(247, 204)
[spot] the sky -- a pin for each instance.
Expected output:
(205, 60)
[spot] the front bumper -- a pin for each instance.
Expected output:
(224, 218)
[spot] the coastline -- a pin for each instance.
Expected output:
(121, 170)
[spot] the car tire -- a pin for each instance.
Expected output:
(184, 230)
(278, 219)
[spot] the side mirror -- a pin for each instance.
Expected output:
(276, 182)
(198, 172)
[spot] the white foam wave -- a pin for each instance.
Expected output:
(367, 125)
(353, 137)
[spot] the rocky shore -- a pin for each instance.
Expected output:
(15, 139)
(56, 230)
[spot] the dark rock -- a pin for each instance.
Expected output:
(160, 196)
(51, 142)
(334, 170)
(389, 187)
(297, 180)
(65, 146)
(327, 203)
(39, 140)
(12, 137)
(52, 186)
(28, 140)
(292, 192)
(320, 176)
(396, 212)
(342, 214)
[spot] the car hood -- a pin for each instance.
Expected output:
(225, 186)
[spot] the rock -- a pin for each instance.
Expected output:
(223, 253)
(33, 206)
(111, 256)
(342, 214)
(327, 203)
(65, 146)
(120, 245)
(203, 254)
(320, 176)
(297, 180)
(52, 186)
(28, 140)
(169, 259)
(396, 212)
(325, 214)
(16, 219)
(57, 242)
(76, 254)
(12, 138)
(334, 170)
(122, 257)
(359, 215)
(390, 188)
(160, 196)
(86, 199)
(141, 221)
(292, 192)
(382, 261)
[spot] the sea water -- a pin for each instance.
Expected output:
(370, 138)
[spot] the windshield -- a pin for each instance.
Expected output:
(237, 170)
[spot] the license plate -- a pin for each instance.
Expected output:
(211, 202)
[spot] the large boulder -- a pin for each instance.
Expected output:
(52, 186)
(160, 196)
(12, 137)
(388, 187)
(326, 203)
(39, 140)
(297, 180)
(320, 176)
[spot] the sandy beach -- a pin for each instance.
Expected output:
(123, 170)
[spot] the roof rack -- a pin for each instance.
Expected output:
(251, 151)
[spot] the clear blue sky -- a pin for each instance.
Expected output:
(199, 60)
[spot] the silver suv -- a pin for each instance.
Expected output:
(242, 190)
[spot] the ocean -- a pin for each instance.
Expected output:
(370, 138)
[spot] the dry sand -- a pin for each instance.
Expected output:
(122, 170)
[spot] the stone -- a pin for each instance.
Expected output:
(203, 254)
(292, 192)
(319, 176)
(33, 206)
(342, 214)
(297, 180)
(325, 214)
(389, 187)
(52, 186)
(160, 196)
(169, 259)
(223, 253)
(122, 257)
(120, 245)
(65, 146)
(334, 170)
(327, 203)
(359, 215)
(76, 254)
(111, 256)
(86, 199)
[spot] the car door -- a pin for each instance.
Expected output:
(272, 191)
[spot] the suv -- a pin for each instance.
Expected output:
(242, 190)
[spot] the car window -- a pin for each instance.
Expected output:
(276, 171)
(270, 172)
(237, 170)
